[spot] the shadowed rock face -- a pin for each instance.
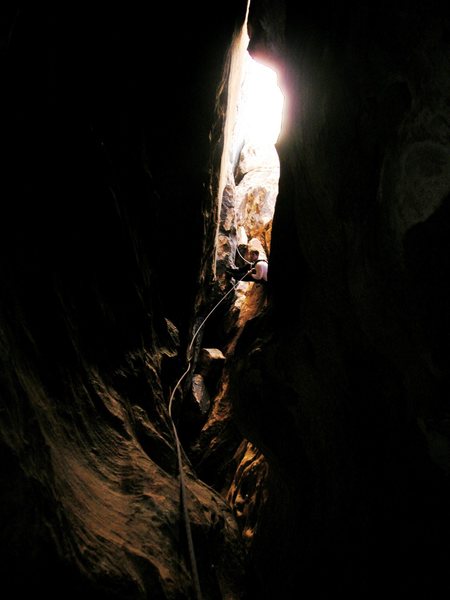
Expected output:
(335, 457)
(100, 207)
(344, 384)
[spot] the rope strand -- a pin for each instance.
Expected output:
(191, 551)
(243, 257)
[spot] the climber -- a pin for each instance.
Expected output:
(254, 270)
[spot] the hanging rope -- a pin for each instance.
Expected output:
(243, 257)
(193, 562)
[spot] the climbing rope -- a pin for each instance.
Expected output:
(187, 522)
(194, 570)
(243, 257)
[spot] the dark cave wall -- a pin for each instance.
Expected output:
(105, 120)
(344, 383)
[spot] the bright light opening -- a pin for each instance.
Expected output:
(250, 168)
(261, 103)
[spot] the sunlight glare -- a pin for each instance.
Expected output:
(262, 103)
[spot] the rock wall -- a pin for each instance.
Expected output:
(328, 429)
(105, 126)
(343, 385)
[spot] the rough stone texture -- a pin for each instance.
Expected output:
(248, 490)
(250, 167)
(257, 190)
(95, 121)
(342, 386)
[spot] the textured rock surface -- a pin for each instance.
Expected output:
(94, 187)
(343, 385)
(335, 451)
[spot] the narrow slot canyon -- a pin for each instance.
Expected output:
(170, 428)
